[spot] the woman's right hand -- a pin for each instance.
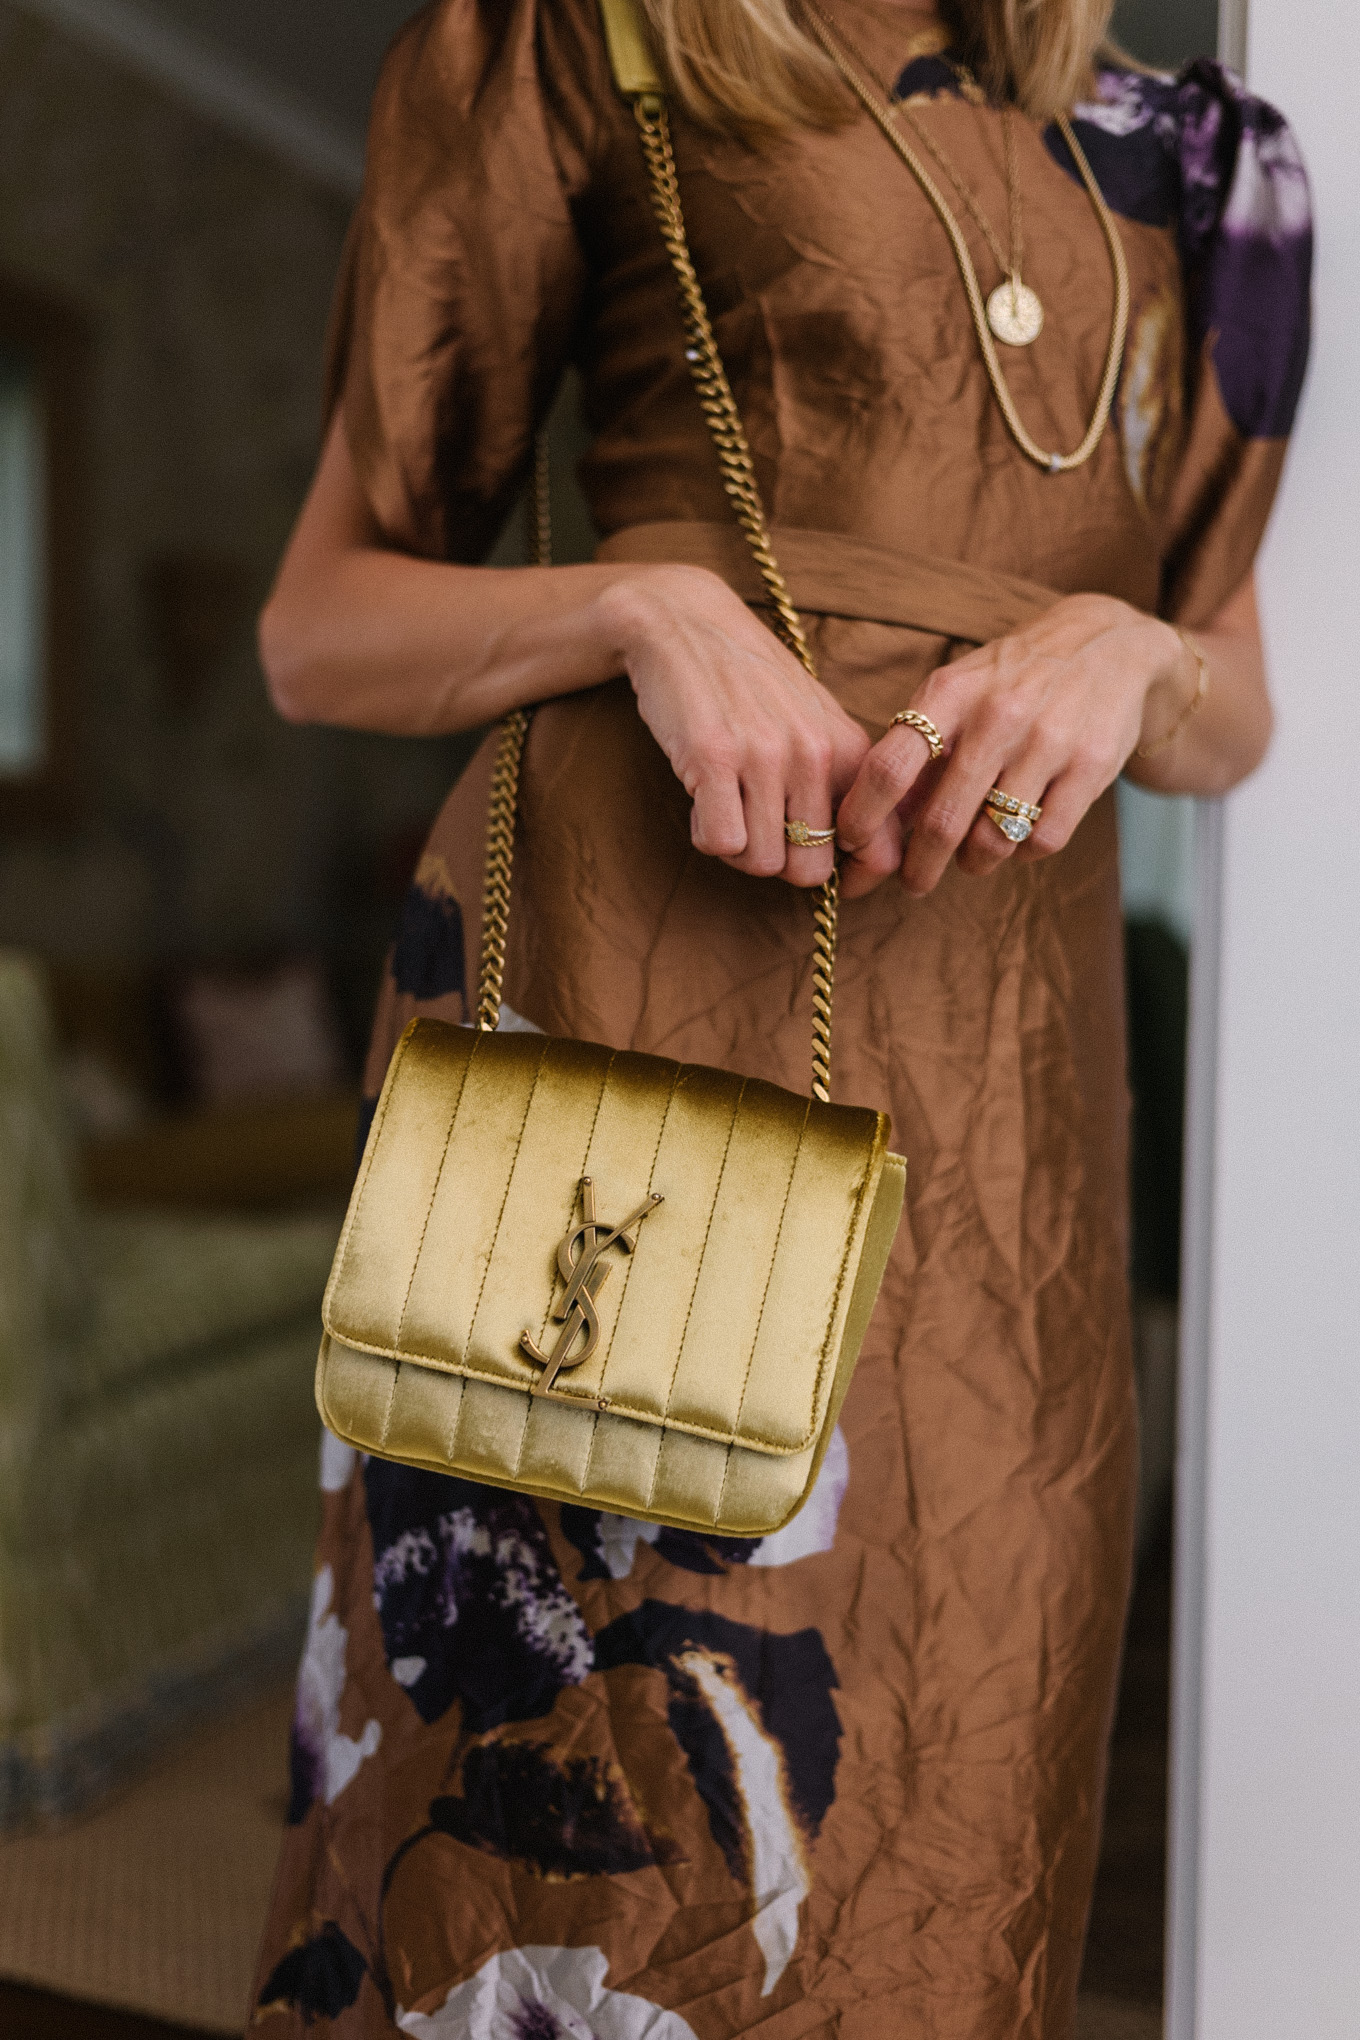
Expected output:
(751, 736)
(360, 634)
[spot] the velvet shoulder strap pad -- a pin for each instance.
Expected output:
(630, 50)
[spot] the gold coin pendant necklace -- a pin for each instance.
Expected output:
(1013, 313)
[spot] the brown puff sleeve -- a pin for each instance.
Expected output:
(462, 276)
(1224, 491)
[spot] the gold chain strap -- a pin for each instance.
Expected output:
(500, 820)
(825, 920)
(739, 480)
(743, 492)
(710, 377)
(500, 858)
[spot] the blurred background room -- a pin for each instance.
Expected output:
(195, 902)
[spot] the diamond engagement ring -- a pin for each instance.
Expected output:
(806, 838)
(1015, 818)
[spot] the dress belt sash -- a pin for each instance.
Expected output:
(831, 574)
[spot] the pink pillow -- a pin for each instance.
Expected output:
(258, 1035)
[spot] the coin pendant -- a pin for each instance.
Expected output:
(1015, 314)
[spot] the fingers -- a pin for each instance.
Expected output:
(764, 801)
(1067, 800)
(739, 812)
(996, 747)
(717, 820)
(810, 797)
(1064, 792)
(987, 845)
(1049, 713)
(886, 777)
(879, 858)
(1024, 774)
(741, 820)
(753, 738)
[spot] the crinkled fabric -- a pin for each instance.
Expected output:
(561, 1774)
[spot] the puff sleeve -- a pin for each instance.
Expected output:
(1246, 249)
(462, 279)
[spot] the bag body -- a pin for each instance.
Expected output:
(705, 1250)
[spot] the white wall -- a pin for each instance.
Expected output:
(1266, 1874)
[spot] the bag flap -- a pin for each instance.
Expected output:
(720, 1309)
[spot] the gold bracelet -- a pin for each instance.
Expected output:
(1195, 702)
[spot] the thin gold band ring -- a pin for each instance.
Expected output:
(805, 838)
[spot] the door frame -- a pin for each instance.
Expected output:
(1264, 1872)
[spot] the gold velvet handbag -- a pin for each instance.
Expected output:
(597, 1276)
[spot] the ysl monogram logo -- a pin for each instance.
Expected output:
(580, 1260)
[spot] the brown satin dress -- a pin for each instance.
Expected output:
(849, 1785)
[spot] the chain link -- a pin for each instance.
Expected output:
(739, 479)
(500, 820)
(710, 377)
(500, 858)
(826, 926)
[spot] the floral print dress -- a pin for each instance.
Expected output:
(557, 1774)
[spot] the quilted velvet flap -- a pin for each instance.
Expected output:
(681, 1242)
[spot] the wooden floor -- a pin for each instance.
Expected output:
(37, 2015)
(154, 1903)
(1125, 1945)
(1122, 1979)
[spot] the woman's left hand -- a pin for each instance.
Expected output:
(1050, 714)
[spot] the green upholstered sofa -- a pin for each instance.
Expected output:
(158, 1446)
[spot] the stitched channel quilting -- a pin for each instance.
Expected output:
(598, 1398)
(778, 1448)
(365, 1172)
(434, 1192)
(698, 1277)
(755, 1338)
(505, 1198)
(500, 1215)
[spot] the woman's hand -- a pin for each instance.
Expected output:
(752, 738)
(365, 637)
(360, 635)
(1051, 714)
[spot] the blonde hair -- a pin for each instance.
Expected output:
(749, 67)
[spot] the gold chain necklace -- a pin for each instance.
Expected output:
(1014, 310)
(1054, 463)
